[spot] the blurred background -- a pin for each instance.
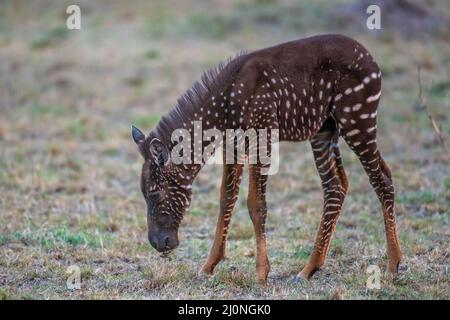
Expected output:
(69, 171)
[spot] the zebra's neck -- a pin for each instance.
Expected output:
(202, 108)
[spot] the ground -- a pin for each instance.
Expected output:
(69, 171)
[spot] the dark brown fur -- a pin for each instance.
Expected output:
(317, 89)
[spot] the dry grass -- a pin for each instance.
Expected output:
(69, 171)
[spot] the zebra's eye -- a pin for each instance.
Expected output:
(154, 196)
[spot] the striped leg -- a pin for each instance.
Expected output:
(381, 180)
(231, 179)
(257, 208)
(334, 183)
(386, 194)
(356, 113)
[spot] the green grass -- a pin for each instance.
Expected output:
(447, 183)
(77, 128)
(417, 197)
(52, 111)
(69, 170)
(50, 37)
(302, 254)
(148, 121)
(55, 238)
(206, 26)
(152, 54)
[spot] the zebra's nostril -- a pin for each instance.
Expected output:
(166, 241)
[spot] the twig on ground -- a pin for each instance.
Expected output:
(422, 105)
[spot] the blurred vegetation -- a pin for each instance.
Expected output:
(69, 171)
(50, 37)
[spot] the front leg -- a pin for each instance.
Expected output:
(257, 208)
(231, 179)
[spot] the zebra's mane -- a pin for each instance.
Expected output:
(198, 95)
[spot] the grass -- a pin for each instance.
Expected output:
(50, 37)
(53, 238)
(147, 121)
(69, 171)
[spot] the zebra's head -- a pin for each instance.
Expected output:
(166, 188)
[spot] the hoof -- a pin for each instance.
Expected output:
(208, 269)
(262, 283)
(202, 274)
(391, 275)
(393, 269)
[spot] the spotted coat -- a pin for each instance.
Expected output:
(317, 89)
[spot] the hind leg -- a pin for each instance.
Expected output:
(394, 251)
(361, 137)
(334, 183)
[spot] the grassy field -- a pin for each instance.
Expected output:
(69, 171)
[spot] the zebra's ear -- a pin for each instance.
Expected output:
(137, 135)
(159, 152)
